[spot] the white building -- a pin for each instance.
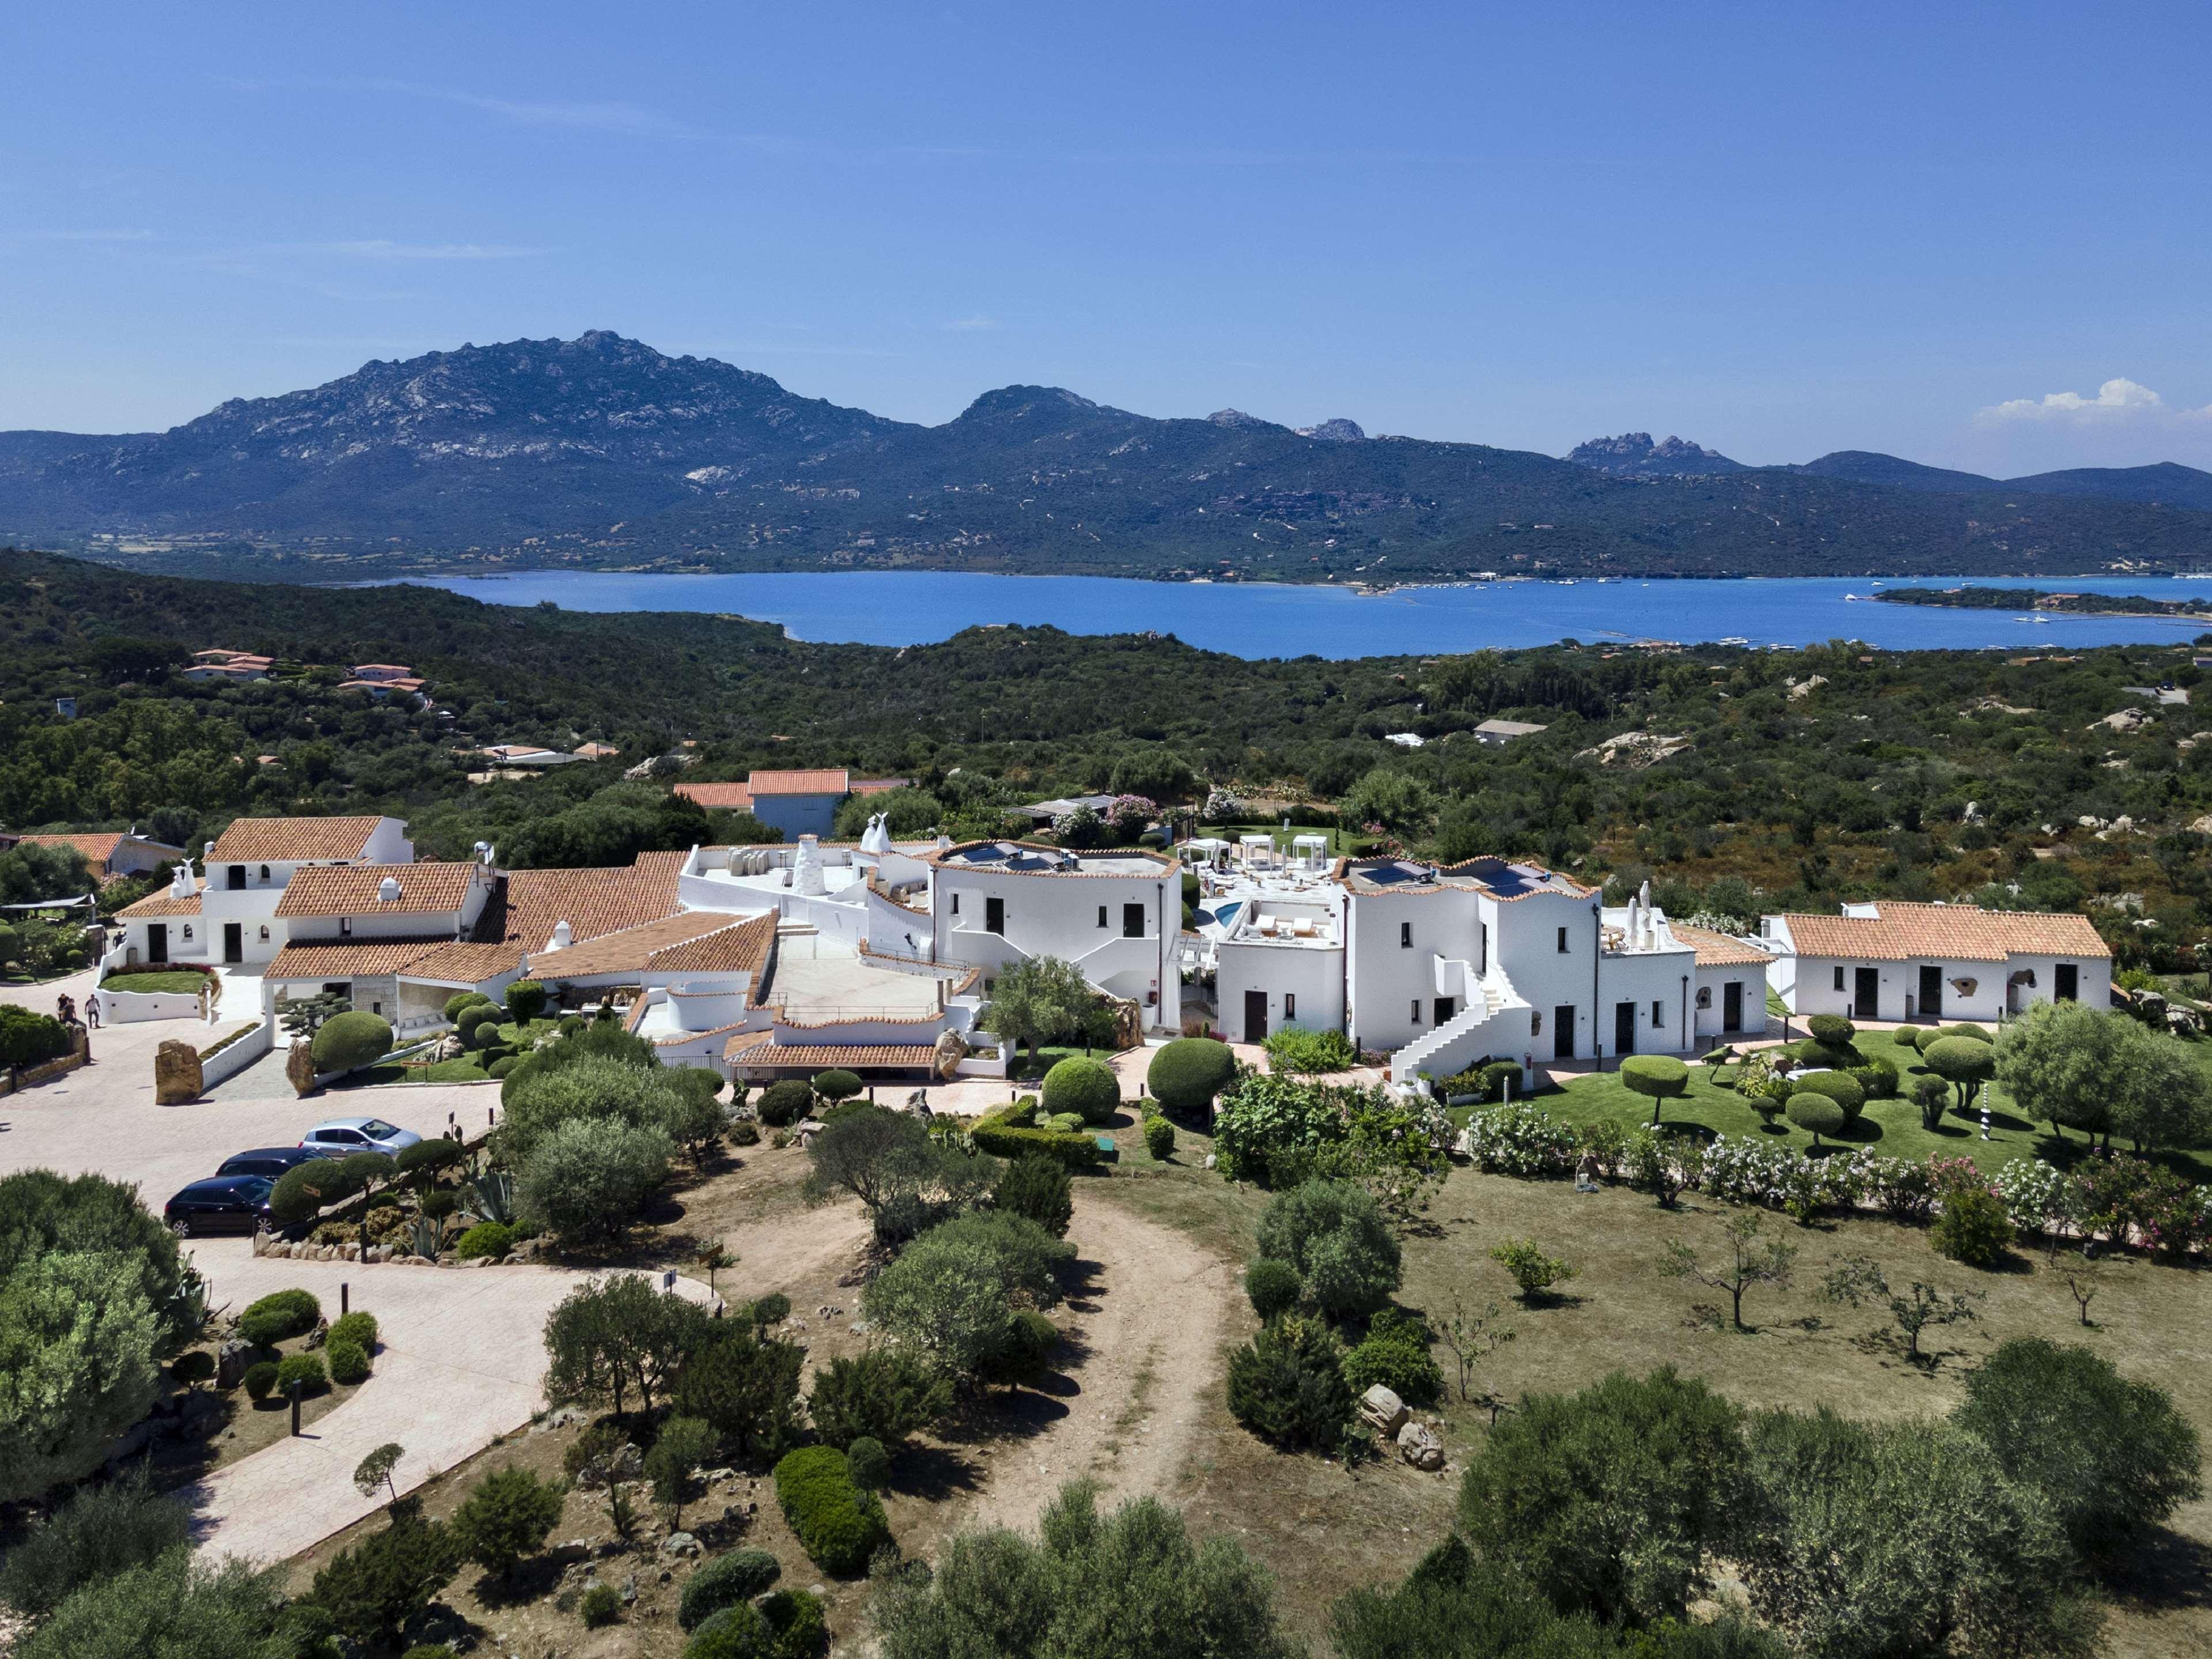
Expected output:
(1116, 915)
(1890, 960)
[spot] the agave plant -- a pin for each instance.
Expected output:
(491, 1197)
(427, 1235)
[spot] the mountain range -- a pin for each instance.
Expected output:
(2165, 483)
(602, 453)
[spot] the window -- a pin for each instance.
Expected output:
(955, 904)
(1562, 941)
(1839, 977)
(1417, 1011)
(345, 926)
(375, 1007)
(1658, 1015)
(1101, 915)
(264, 933)
(264, 874)
(1405, 936)
(188, 931)
(1290, 1006)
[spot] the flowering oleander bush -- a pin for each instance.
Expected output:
(2036, 1196)
(1129, 814)
(1520, 1140)
(1903, 1188)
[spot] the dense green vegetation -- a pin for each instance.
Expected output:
(1801, 778)
(2028, 599)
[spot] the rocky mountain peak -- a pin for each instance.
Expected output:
(1633, 454)
(1338, 431)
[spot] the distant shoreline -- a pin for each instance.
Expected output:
(2049, 602)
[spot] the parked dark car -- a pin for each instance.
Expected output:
(272, 1161)
(221, 1204)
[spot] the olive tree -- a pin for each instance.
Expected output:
(1043, 999)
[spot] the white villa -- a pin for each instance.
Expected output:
(1893, 961)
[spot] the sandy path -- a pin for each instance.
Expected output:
(1148, 1340)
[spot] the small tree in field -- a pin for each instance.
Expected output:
(1745, 1261)
(375, 1470)
(684, 1444)
(1859, 1280)
(1471, 1337)
(1042, 1001)
(1532, 1270)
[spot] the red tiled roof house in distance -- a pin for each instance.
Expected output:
(796, 803)
(1889, 960)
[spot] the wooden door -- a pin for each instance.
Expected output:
(1624, 1028)
(1562, 1031)
(1866, 993)
(1732, 1005)
(1256, 1016)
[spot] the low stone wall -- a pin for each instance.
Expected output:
(307, 1250)
(29, 1077)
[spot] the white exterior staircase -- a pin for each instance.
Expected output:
(1467, 1034)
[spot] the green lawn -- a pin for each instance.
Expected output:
(1022, 1069)
(1889, 1127)
(177, 979)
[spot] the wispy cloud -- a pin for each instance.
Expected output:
(975, 325)
(379, 248)
(85, 236)
(2119, 397)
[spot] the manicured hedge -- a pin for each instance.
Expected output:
(261, 1381)
(839, 1526)
(837, 1085)
(486, 1239)
(357, 1327)
(306, 1369)
(350, 1041)
(785, 1103)
(349, 1361)
(1186, 1074)
(993, 1134)
(278, 1315)
(724, 1582)
(1841, 1087)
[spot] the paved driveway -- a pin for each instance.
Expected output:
(461, 1358)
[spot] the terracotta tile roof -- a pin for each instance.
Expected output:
(1718, 950)
(740, 949)
(1901, 932)
(745, 1049)
(350, 889)
(96, 849)
(593, 901)
(719, 797)
(630, 950)
(818, 783)
(161, 904)
(462, 964)
(369, 959)
(877, 786)
(291, 841)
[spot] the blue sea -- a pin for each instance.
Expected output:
(1248, 619)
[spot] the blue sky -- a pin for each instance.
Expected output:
(1777, 228)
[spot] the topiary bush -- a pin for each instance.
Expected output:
(1064, 1123)
(1815, 1112)
(1832, 1031)
(837, 1085)
(1839, 1086)
(1273, 1287)
(838, 1525)
(1160, 1138)
(348, 1041)
(871, 1464)
(503, 1067)
(526, 1001)
(1086, 1088)
(357, 1327)
(1396, 1354)
(304, 1369)
(349, 1361)
(462, 1000)
(1878, 1077)
(1186, 1074)
(993, 1134)
(278, 1315)
(785, 1103)
(260, 1381)
(1658, 1077)
(1908, 1036)
(728, 1581)
(1964, 1063)
(425, 1158)
(1972, 1226)
(478, 1026)
(1288, 1387)
(1971, 1032)
(486, 1239)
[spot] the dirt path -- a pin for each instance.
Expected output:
(1148, 1341)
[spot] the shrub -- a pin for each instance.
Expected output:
(800, 1626)
(357, 1327)
(726, 1580)
(1088, 1088)
(1815, 1112)
(29, 1039)
(260, 1380)
(348, 1362)
(591, 1176)
(871, 1464)
(619, 1339)
(509, 1513)
(838, 1525)
(739, 1632)
(278, 1315)
(744, 1132)
(461, 1000)
(192, 1368)
(1288, 1387)
(597, 1448)
(2114, 1458)
(1532, 1271)
(1160, 1138)
(1291, 1048)
(1335, 1234)
(304, 1369)
(526, 1001)
(503, 1067)
(1606, 1500)
(1274, 1286)
(592, 1087)
(1066, 1123)
(99, 1532)
(1039, 1187)
(347, 1042)
(746, 1385)
(1961, 1061)
(478, 1025)
(1186, 1074)
(1396, 1354)
(1972, 1226)
(486, 1239)
(372, 1589)
(884, 1394)
(425, 1158)
(1971, 1033)
(1840, 1087)
(1832, 1031)
(771, 1310)
(1519, 1139)
(602, 1605)
(1022, 1356)
(1910, 1036)
(954, 1292)
(1878, 1077)
(785, 1103)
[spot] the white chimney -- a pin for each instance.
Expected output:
(563, 936)
(387, 891)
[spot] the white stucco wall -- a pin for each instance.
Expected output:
(1312, 976)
